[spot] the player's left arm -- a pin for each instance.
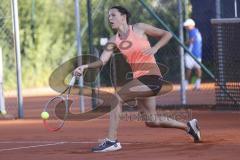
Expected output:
(162, 36)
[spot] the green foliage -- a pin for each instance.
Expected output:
(47, 31)
(6, 43)
(48, 34)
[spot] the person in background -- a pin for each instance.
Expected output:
(195, 47)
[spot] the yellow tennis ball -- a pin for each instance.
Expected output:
(45, 115)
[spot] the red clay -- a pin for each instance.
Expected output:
(33, 106)
(220, 132)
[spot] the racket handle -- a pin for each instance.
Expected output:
(72, 81)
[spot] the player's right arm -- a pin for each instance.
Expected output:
(190, 41)
(104, 58)
(191, 37)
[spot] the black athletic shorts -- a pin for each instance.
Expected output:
(154, 82)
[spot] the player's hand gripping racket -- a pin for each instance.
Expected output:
(56, 109)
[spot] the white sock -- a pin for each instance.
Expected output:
(110, 140)
(197, 83)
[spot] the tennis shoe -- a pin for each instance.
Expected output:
(107, 146)
(194, 130)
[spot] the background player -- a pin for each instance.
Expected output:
(195, 47)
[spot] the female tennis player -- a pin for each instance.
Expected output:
(132, 42)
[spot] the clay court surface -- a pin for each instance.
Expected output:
(28, 140)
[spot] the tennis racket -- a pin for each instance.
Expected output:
(58, 108)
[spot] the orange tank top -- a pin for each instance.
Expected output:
(131, 47)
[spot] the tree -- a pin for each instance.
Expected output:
(48, 34)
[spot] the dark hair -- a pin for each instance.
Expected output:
(123, 11)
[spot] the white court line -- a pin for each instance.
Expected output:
(45, 145)
(73, 142)
(16, 142)
(97, 142)
(35, 146)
